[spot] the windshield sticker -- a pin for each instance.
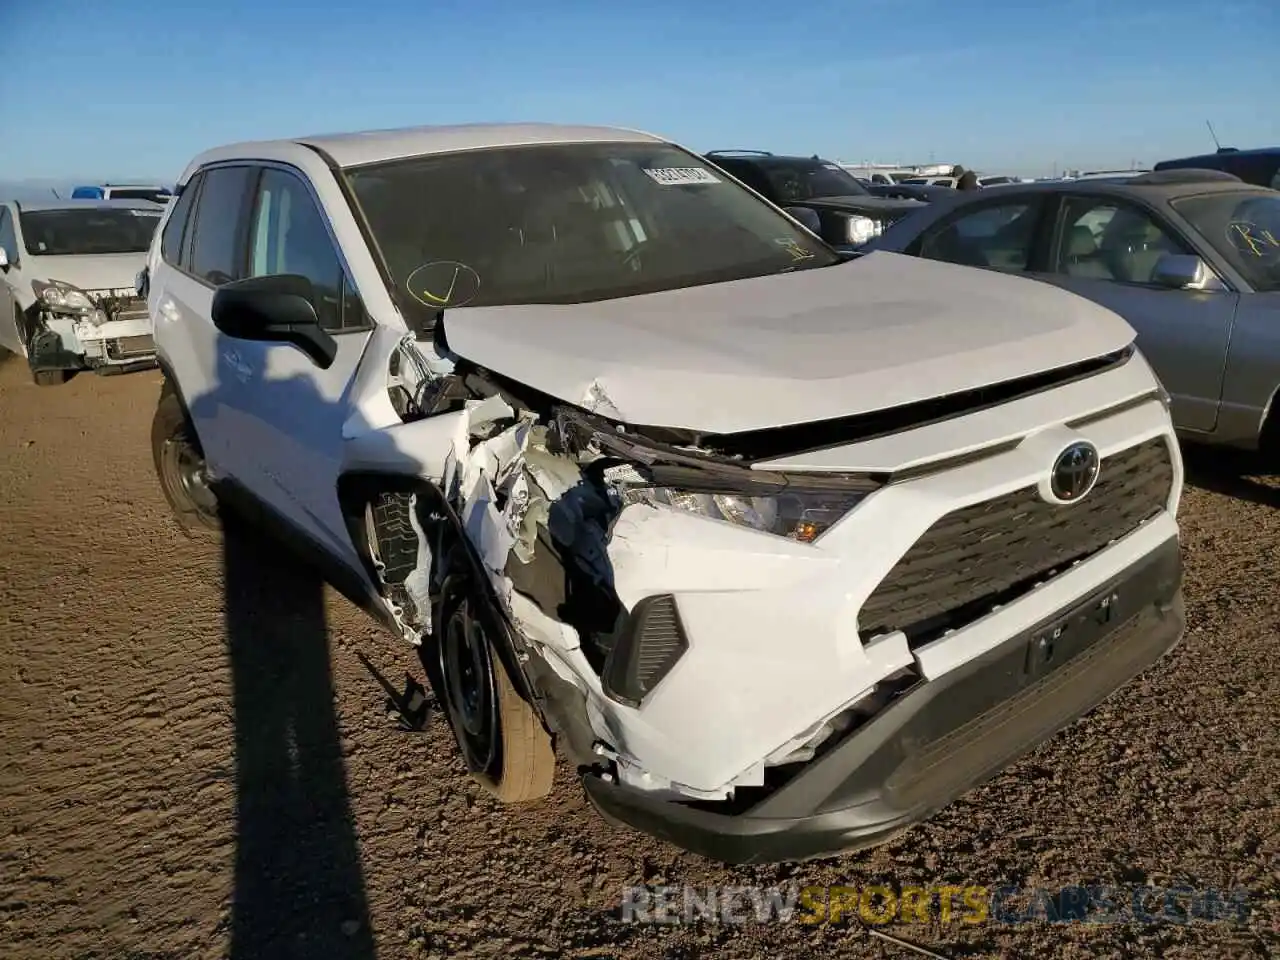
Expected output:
(1250, 240)
(443, 283)
(145, 213)
(834, 166)
(793, 247)
(680, 176)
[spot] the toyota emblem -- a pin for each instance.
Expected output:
(1074, 472)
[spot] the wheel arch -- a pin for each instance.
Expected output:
(1269, 432)
(358, 489)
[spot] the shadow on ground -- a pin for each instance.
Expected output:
(1235, 473)
(299, 890)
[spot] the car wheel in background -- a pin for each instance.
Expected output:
(180, 467)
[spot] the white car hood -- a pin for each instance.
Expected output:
(102, 272)
(877, 332)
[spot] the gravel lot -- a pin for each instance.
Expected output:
(197, 759)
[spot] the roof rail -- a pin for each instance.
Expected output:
(1179, 175)
(748, 153)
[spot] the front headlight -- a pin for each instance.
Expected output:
(62, 297)
(862, 229)
(796, 513)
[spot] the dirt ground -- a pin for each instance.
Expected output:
(197, 758)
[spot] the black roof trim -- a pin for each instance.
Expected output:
(1179, 175)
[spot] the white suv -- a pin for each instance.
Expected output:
(783, 552)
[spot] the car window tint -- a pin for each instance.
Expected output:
(289, 236)
(1103, 239)
(171, 239)
(998, 236)
(8, 237)
(218, 251)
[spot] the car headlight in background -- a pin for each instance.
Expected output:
(63, 297)
(795, 513)
(862, 229)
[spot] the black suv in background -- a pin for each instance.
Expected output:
(1260, 167)
(843, 211)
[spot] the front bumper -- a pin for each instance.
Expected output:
(116, 346)
(942, 737)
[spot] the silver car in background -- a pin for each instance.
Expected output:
(1190, 258)
(67, 296)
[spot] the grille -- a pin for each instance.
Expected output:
(994, 551)
(122, 348)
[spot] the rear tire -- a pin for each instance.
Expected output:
(500, 734)
(180, 467)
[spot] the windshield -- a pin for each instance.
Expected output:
(56, 233)
(1245, 229)
(570, 223)
(800, 180)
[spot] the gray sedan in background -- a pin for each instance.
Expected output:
(1190, 258)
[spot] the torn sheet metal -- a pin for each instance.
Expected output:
(418, 583)
(596, 400)
(504, 482)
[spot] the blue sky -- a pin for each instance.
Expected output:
(116, 88)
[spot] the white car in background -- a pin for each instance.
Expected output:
(67, 296)
(783, 551)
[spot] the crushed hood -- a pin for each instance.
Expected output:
(874, 333)
(105, 272)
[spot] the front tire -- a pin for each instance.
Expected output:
(181, 469)
(49, 378)
(501, 737)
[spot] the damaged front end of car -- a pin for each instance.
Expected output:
(752, 643)
(582, 535)
(100, 329)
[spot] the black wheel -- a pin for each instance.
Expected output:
(180, 466)
(501, 737)
(49, 378)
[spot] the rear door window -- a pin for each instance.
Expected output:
(8, 237)
(1000, 236)
(175, 228)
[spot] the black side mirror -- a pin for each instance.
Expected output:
(808, 218)
(276, 309)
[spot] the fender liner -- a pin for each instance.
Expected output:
(356, 490)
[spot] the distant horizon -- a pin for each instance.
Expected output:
(31, 189)
(1006, 89)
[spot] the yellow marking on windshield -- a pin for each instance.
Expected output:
(449, 295)
(1257, 242)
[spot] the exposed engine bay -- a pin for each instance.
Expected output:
(106, 329)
